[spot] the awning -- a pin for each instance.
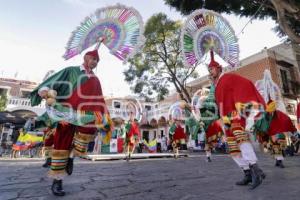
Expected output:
(8, 117)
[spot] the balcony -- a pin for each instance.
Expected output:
(152, 114)
(13, 102)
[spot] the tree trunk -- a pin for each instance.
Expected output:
(290, 7)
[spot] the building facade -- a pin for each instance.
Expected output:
(17, 93)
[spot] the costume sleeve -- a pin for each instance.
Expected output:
(172, 129)
(298, 113)
(53, 82)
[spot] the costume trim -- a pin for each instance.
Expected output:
(81, 142)
(59, 160)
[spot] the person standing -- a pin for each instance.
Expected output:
(298, 115)
(77, 88)
(280, 126)
(158, 144)
(232, 101)
(177, 136)
(132, 136)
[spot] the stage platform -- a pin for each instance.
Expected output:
(122, 156)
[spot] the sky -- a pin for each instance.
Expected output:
(34, 34)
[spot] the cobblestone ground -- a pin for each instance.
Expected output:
(183, 179)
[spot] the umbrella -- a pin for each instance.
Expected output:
(8, 117)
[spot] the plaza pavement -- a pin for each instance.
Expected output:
(186, 178)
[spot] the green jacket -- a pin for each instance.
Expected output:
(64, 82)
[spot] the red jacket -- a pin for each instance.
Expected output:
(214, 129)
(134, 130)
(231, 89)
(179, 133)
(298, 113)
(281, 123)
(88, 96)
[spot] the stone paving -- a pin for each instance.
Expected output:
(187, 178)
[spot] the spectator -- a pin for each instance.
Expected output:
(29, 125)
(296, 141)
(158, 144)
(15, 135)
(164, 145)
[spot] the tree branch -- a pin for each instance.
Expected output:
(283, 23)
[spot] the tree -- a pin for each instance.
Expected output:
(159, 63)
(3, 101)
(285, 12)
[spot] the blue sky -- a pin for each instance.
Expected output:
(34, 34)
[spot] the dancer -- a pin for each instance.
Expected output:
(132, 136)
(232, 101)
(298, 116)
(177, 136)
(278, 127)
(48, 146)
(79, 89)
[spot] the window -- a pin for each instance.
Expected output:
(290, 108)
(146, 135)
(147, 107)
(285, 82)
(25, 94)
(3, 91)
(117, 104)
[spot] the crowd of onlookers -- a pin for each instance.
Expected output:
(13, 146)
(163, 144)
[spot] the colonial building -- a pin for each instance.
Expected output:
(17, 93)
(152, 116)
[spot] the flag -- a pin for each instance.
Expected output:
(151, 146)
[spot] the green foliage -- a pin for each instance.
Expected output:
(159, 65)
(248, 8)
(3, 101)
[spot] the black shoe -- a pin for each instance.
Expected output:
(208, 159)
(47, 163)
(128, 157)
(262, 174)
(257, 176)
(247, 178)
(57, 188)
(283, 153)
(69, 166)
(279, 163)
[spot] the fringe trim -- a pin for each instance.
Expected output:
(58, 175)
(81, 142)
(59, 159)
(233, 146)
(47, 151)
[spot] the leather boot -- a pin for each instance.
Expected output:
(257, 176)
(208, 159)
(247, 178)
(69, 166)
(47, 163)
(263, 175)
(57, 188)
(279, 163)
